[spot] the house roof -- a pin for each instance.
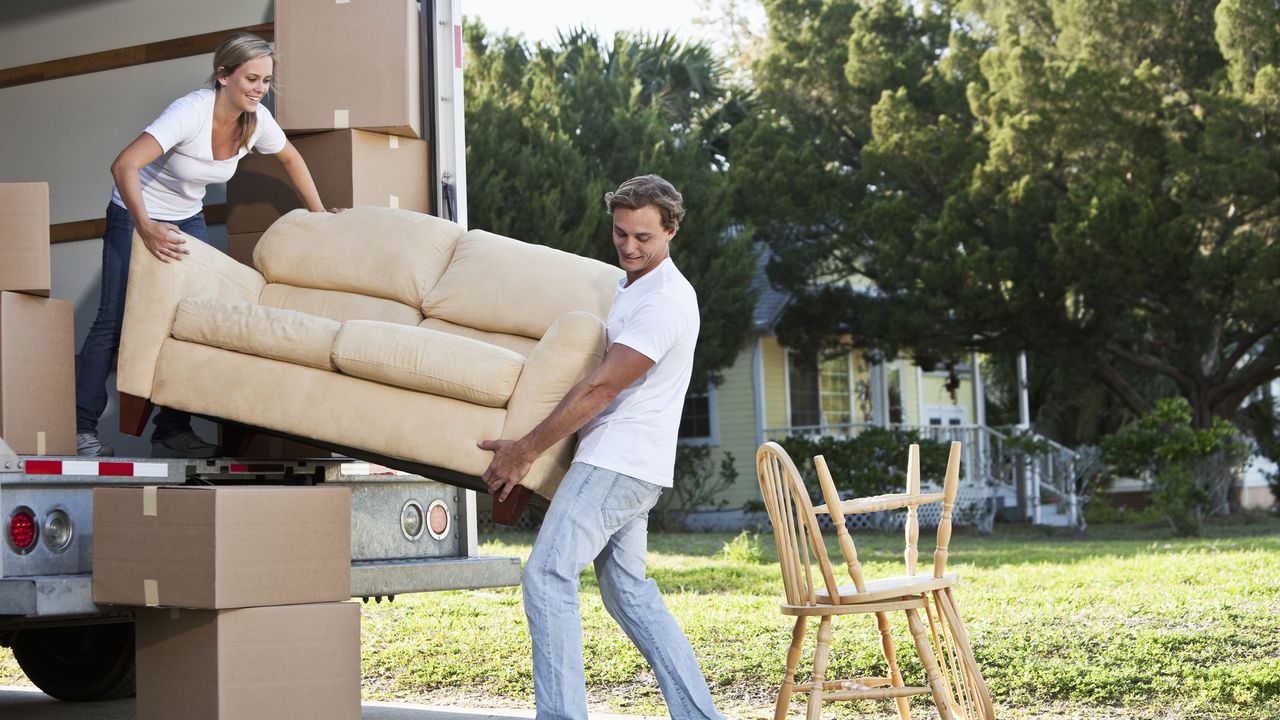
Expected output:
(770, 301)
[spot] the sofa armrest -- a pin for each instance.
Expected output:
(572, 347)
(151, 303)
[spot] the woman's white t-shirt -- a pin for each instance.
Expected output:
(657, 316)
(173, 184)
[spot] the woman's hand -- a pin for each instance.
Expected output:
(164, 240)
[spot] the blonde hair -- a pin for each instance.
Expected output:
(237, 49)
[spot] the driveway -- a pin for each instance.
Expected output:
(31, 704)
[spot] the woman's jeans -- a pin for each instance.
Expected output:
(600, 515)
(93, 363)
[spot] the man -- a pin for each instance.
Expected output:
(628, 411)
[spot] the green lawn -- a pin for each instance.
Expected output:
(1125, 623)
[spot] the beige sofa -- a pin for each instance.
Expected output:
(388, 334)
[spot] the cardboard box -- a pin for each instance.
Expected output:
(37, 374)
(24, 237)
(240, 246)
(292, 662)
(212, 548)
(349, 65)
(350, 168)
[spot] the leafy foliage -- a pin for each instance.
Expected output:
(1093, 182)
(699, 485)
(873, 462)
(1191, 469)
(551, 128)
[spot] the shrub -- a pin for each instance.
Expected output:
(698, 486)
(1191, 470)
(872, 462)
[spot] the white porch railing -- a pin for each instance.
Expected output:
(1017, 462)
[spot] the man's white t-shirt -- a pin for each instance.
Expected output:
(657, 316)
(173, 184)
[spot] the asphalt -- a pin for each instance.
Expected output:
(31, 704)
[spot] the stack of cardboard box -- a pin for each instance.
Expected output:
(241, 598)
(348, 93)
(37, 353)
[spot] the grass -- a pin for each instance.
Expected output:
(1126, 622)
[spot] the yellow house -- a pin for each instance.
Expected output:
(771, 392)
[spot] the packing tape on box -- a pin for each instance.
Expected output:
(341, 119)
(149, 500)
(150, 593)
(393, 202)
(341, 2)
(40, 443)
(393, 141)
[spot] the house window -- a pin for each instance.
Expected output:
(821, 391)
(698, 417)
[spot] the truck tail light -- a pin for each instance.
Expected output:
(22, 530)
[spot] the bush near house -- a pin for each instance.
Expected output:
(1192, 470)
(872, 462)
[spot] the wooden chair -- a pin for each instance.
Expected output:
(954, 684)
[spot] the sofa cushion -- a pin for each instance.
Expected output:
(256, 330)
(338, 305)
(392, 254)
(428, 361)
(498, 284)
(517, 343)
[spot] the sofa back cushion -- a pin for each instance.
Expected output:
(391, 254)
(338, 305)
(500, 285)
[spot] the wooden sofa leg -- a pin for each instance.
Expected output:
(236, 439)
(508, 512)
(134, 414)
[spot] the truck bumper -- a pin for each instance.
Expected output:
(48, 596)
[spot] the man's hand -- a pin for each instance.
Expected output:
(508, 467)
(164, 240)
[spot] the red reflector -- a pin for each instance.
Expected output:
(44, 467)
(22, 530)
(438, 520)
(115, 469)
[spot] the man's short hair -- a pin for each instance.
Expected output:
(639, 192)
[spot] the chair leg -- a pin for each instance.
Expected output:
(937, 683)
(134, 413)
(891, 657)
(820, 657)
(950, 611)
(789, 675)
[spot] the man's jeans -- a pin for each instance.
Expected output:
(602, 515)
(93, 364)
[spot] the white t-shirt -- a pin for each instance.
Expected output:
(657, 316)
(173, 184)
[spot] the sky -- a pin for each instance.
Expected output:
(541, 20)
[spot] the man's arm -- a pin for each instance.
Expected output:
(512, 458)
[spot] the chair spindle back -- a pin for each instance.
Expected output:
(795, 527)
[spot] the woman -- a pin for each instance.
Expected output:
(160, 181)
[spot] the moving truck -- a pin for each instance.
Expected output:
(78, 82)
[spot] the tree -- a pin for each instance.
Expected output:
(1090, 181)
(551, 128)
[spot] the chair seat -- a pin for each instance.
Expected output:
(885, 588)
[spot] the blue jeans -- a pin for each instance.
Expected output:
(93, 363)
(600, 515)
